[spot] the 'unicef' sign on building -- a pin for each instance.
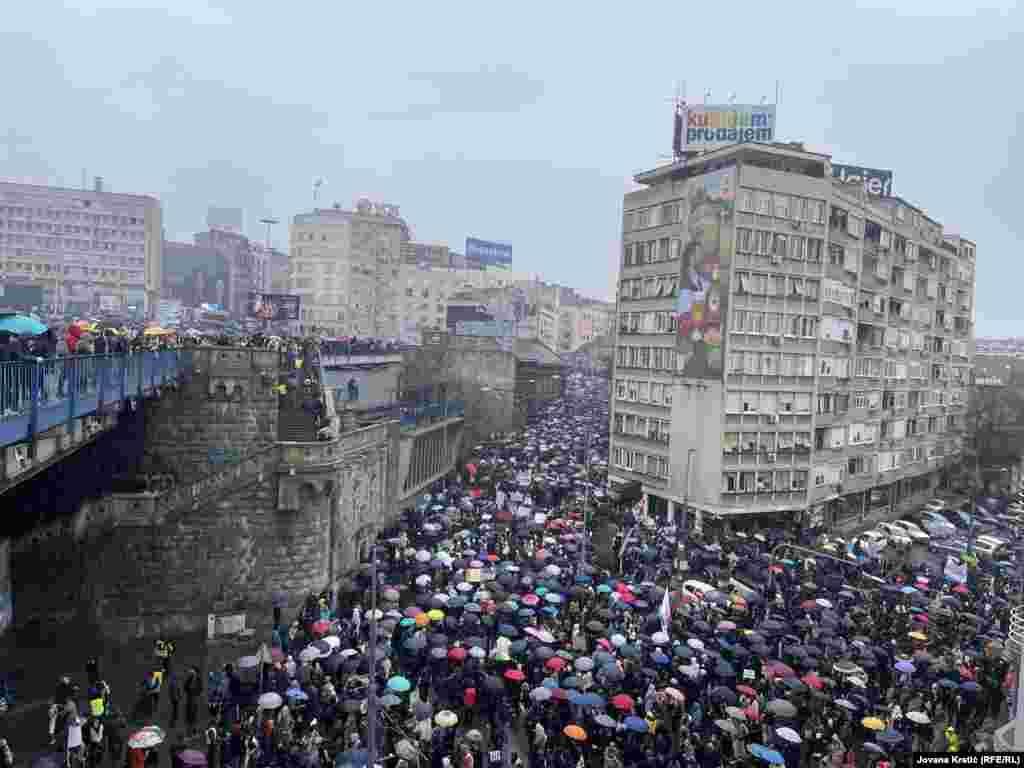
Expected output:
(707, 126)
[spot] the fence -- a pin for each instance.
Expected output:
(40, 393)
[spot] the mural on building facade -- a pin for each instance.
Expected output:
(707, 251)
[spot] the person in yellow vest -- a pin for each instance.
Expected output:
(952, 740)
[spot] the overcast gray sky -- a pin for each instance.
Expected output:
(520, 122)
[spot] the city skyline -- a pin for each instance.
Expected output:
(501, 148)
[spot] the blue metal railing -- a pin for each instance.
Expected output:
(39, 394)
(414, 414)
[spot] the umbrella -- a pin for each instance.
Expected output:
(770, 756)
(146, 738)
(192, 758)
(622, 702)
(269, 701)
(406, 750)
(873, 724)
(788, 734)
(22, 325)
(635, 724)
(474, 736)
(390, 701)
(726, 726)
(605, 721)
(889, 736)
(918, 717)
(781, 708)
(575, 733)
(540, 694)
(399, 684)
(446, 718)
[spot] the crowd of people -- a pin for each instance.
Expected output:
(512, 629)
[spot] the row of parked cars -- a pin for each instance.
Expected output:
(945, 530)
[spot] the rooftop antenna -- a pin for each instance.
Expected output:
(732, 97)
(707, 95)
(316, 190)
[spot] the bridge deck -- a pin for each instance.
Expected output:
(38, 396)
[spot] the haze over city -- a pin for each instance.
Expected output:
(506, 123)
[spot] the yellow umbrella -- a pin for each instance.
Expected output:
(873, 724)
(917, 636)
(435, 614)
(156, 331)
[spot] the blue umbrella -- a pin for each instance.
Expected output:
(889, 736)
(22, 325)
(635, 724)
(770, 756)
(399, 684)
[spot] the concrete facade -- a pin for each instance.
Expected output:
(846, 351)
(345, 265)
(236, 516)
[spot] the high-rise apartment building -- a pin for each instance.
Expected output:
(790, 349)
(581, 320)
(345, 266)
(84, 250)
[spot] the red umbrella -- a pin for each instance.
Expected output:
(474, 492)
(321, 627)
(623, 703)
(778, 669)
(514, 675)
(809, 605)
(457, 654)
(961, 589)
(559, 694)
(813, 681)
(555, 663)
(774, 569)
(746, 690)
(503, 516)
(492, 558)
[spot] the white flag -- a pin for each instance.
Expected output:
(665, 612)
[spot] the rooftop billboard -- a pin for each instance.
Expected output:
(273, 306)
(710, 126)
(489, 253)
(877, 182)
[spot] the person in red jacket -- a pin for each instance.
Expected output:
(71, 337)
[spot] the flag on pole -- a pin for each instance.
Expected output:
(665, 613)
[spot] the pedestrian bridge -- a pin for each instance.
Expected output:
(51, 406)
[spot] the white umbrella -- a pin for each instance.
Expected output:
(423, 556)
(333, 641)
(269, 701)
(309, 654)
(442, 597)
(695, 643)
(788, 734)
(349, 652)
(146, 738)
(248, 662)
(918, 717)
(423, 581)
(660, 638)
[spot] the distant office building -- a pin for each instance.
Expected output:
(87, 250)
(191, 273)
(345, 265)
(247, 266)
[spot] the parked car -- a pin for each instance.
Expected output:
(834, 545)
(874, 539)
(935, 505)
(896, 537)
(936, 525)
(911, 530)
(947, 547)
